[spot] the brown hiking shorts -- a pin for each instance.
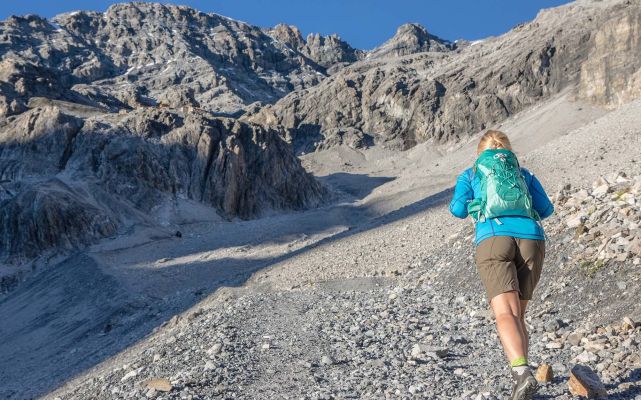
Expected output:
(506, 263)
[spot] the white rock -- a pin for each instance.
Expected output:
(129, 375)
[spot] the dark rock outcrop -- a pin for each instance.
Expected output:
(51, 215)
(68, 181)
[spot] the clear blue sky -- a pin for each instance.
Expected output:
(363, 23)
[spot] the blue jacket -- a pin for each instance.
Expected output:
(468, 188)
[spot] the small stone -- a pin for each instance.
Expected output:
(157, 357)
(159, 384)
(574, 222)
(265, 346)
(554, 345)
(586, 383)
(420, 350)
(544, 373)
(587, 357)
(600, 186)
(129, 375)
(621, 257)
(628, 323)
(215, 349)
(552, 326)
(574, 338)
(327, 360)
(635, 246)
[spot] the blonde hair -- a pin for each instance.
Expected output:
(493, 140)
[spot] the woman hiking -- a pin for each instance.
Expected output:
(507, 202)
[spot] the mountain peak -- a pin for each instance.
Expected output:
(410, 38)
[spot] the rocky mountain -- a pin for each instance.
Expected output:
(587, 47)
(109, 119)
(68, 181)
(115, 118)
(137, 54)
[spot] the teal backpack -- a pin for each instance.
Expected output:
(503, 188)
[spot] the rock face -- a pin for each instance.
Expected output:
(144, 54)
(69, 181)
(52, 215)
(611, 75)
(327, 51)
(440, 95)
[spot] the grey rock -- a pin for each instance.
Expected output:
(73, 181)
(327, 360)
(327, 51)
(446, 95)
(142, 54)
(410, 39)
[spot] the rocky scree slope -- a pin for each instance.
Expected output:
(343, 318)
(68, 181)
(424, 334)
(441, 94)
(137, 54)
(377, 315)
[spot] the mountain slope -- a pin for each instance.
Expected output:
(589, 47)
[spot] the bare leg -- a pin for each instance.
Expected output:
(507, 310)
(526, 335)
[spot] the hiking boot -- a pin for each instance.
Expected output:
(525, 385)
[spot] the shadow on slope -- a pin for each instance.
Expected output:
(357, 185)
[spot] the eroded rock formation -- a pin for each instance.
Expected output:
(68, 181)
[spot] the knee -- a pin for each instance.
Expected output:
(503, 315)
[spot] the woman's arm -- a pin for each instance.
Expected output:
(540, 200)
(463, 193)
